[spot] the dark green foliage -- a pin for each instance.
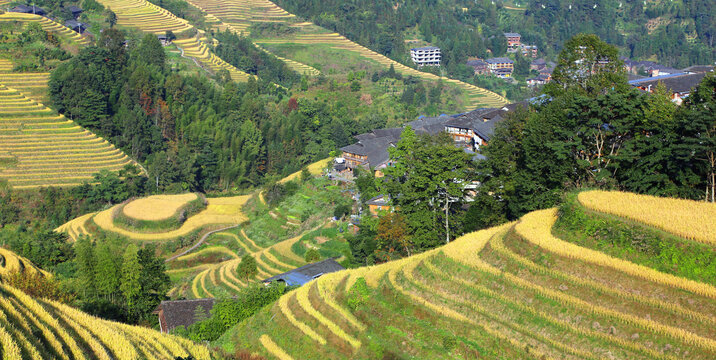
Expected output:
(363, 245)
(247, 268)
(117, 283)
(636, 243)
(229, 312)
(242, 53)
(426, 184)
(341, 211)
(312, 255)
(277, 192)
(45, 249)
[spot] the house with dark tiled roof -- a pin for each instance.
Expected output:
(32, 9)
(182, 312)
(475, 128)
(699, 69)
(678, 85)
(513, 41)
(371, 150)
(304, 274)
(378, 204)
(75, 11)
(76, 26)
(479, 65)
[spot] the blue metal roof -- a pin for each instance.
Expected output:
(637, 81)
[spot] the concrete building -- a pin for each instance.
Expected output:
(426, 56)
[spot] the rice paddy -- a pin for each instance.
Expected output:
(12, 263)
(157, 207)
(238, 15)
(147, 17)
(47, 148)
(43, 329)
(47, 25)
(514, 289)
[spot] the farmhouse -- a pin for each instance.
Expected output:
(678, 85)
(480, 66)
(426, 56)
(76, 26)
(501, 66)
(304, 274)
(513, 41)
(378, 204)
(32, 9)
(75, 11)
(371, 150)
(475, 128)
(182, 312)
(164, 40)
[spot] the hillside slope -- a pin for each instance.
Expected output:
(43, 148)
(513, 291)
(238, 15)
(41, 329)
(147, 17)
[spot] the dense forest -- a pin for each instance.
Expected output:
(474, 28)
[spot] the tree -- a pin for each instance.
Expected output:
(247, 268)
(426, 184)
(131, 282)
(312, 255)
(587, 64)
(696, 148)
(110, 17)
(393, 236)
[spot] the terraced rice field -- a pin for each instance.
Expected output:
(240, 14)
(219, 211)
(12, 263)
(686, 218)
(147, 17)
(222, 279)
(42, 329)
(47, 25)
(513, 291)
(48, 149)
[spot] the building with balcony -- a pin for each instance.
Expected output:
(426, 56)
(513, 41)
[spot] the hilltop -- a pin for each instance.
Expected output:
(514, 291)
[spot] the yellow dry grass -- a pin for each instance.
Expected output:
(157, 207)
(536, 227)
(219, 211)
(690, 219)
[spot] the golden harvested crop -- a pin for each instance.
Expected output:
(274, 349)
(314, 169)
(690, 219)
(302, 295)
(536, 227)
(61, 328)
(226, 210)
(157, 207)
(14, 263)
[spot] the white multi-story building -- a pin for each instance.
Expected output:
(426, 56)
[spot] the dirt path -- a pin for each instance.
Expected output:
(198, 243)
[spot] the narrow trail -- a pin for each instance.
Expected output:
(198, 243)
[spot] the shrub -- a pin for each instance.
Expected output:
(247, 267)
(312, 255)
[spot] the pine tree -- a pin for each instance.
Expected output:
(131, 285)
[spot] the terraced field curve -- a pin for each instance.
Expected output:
(240, 14)
(513, 291)
(46, 149)
(42, 329)
(147, 17)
